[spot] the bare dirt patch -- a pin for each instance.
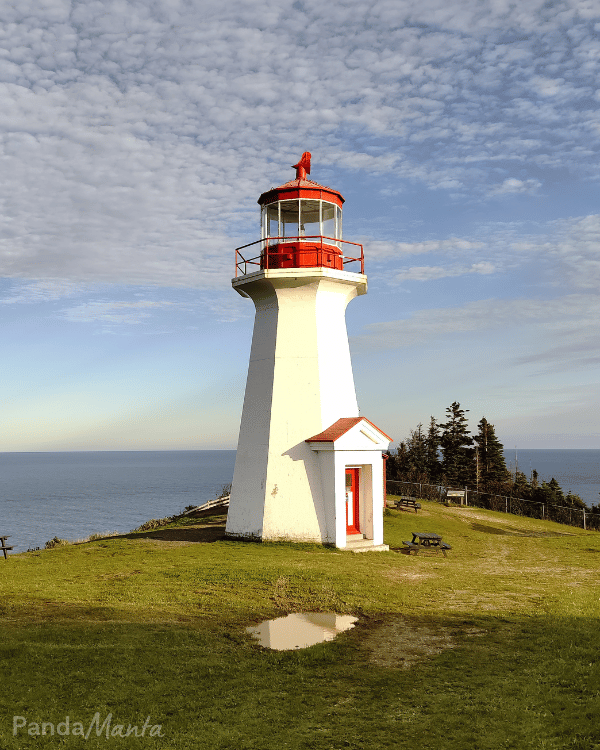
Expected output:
(468, 515)
(395, 574)
(503, 525)
(399, 642)
(118, 576)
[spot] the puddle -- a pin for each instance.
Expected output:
(301, 629)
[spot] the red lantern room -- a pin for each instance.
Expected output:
(301, 227)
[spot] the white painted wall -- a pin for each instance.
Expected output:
(299, 382)
(333, 464)
(361, 446)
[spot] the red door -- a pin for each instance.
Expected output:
(352, 507)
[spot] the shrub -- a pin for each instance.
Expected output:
(155, 523)
(56, 542)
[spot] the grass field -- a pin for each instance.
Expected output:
(495, 646)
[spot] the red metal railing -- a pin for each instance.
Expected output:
(269, 252)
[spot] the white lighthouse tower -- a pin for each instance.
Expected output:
(308, 466)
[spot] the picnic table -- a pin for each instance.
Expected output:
(403, 501)
(425, 540)
(408, 502)
(3, 545)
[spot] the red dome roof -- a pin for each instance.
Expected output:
(301, 189)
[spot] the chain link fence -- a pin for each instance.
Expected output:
(518, 506)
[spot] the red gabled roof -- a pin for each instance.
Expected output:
(339, 428)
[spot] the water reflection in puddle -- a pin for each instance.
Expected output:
(301, 629)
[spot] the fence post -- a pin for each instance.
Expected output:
(506, 504)
(583, 518)
(466, 496)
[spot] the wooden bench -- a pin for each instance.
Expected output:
(3, 546)
(410, 547)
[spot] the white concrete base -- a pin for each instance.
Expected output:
(300, 425)
(299, 382)
(366, 545)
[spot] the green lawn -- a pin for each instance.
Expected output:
(493, 647)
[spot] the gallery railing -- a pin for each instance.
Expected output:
(276, 252)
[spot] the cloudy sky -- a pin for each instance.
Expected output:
(136, 137)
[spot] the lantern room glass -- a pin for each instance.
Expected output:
(289, 216)
(328, 220)
(310, 218)
(294, 219)
(271, 225)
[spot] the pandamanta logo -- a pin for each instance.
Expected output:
(68, 728)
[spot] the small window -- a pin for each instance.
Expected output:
(310, 218)
(289, 211)
(272, 220)
(329, 220)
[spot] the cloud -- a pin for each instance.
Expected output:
(134, 137)
(568, 324)
(41, 290)
(429, 273)
(577, 252)
(512, 185)
(131, 313)
(565, 253)
(381, 249)
(227, 307)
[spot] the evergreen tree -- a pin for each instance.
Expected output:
(558, 496)
(520, 486)
(409, 462)
(397, 463)
(455, 441)
(574, 501)
(417, 453)
(433, 451)
(549, 493)
(416, 459)
(490, 459)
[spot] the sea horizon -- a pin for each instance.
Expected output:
(127, 450)
(72, 494)
(184, 450)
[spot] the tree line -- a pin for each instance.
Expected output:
(446, 453)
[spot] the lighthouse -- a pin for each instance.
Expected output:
(309, 467)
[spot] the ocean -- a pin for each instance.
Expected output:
(73, 495)
(575, 469)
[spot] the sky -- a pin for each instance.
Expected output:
(136, 138)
